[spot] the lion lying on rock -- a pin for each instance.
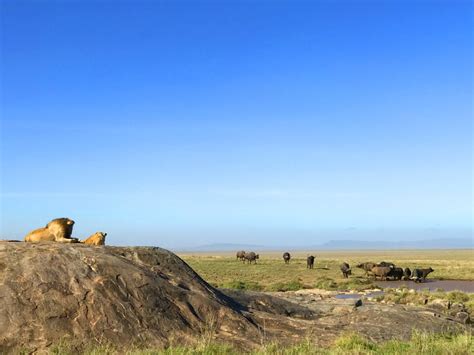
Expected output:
(95, 239)
(58, 230)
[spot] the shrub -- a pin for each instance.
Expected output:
(353, 342)
(326, 284)
(243, 285)
(294, 285)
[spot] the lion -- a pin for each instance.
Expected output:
(58, 230)
(95, 239)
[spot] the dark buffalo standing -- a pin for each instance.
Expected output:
(310, 262)
(367, 267)
(286, 257)
(346, 270)
(420, 274)
(396, 273)
(384, 263)
(381, 271)
(251, 257)
(406, 274)
(241, 255)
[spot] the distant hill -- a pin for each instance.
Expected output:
(459, 243)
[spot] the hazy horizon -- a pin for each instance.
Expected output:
(180, 124)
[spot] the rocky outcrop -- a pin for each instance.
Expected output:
(80, 294)
(372, 320)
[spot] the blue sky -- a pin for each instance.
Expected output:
(180, 123)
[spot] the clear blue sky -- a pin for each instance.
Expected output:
(178, 123)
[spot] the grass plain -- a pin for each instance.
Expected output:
(420, 344)
(221, 269)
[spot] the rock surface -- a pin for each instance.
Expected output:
(80, 294)
(143, 296)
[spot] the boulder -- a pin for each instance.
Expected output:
(81, 295)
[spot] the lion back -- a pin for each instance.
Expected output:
(40, 234)
(95, 239)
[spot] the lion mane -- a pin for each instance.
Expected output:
(58, 230)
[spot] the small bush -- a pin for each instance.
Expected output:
(354, 342)
(243, 285)
(294, 285)
(357, 284)
(326, 284)
(457, 296)
(306, 347)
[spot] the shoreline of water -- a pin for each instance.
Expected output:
(430, 285)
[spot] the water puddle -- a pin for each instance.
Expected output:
(432, 285)
(346, 296)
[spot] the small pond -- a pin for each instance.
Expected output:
(430, 284)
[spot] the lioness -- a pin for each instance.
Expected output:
(95, 239)
(58, 230)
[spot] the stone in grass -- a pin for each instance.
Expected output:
(463, 317)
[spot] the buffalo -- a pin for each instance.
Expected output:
(420, 274)
(381, 271)
(310, 262)
(367, 267)
(346, 270)
(251, 257)
(396, 273)
(384, 263)
(241, 255)
(286, 257)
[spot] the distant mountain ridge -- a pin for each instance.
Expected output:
(456, 243)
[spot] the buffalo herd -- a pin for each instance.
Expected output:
(383, 270)
(247, 257)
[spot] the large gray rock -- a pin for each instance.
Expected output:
(81, 295)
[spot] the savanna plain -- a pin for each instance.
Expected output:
(270, 273)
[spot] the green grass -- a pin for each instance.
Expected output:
(271, 273)
(419, 344)
(243, 285)
(293, 285)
